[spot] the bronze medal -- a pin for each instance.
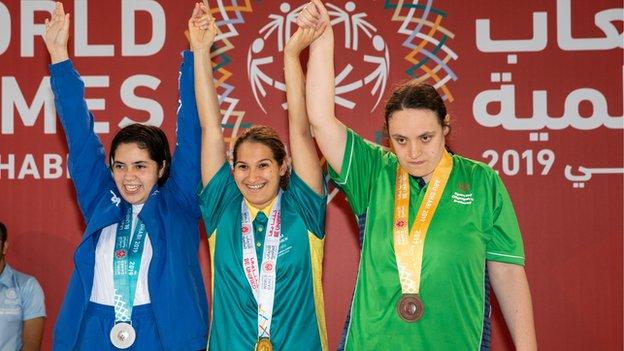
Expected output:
(410, 308)
(263, 344)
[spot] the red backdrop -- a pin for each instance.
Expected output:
(534, 89)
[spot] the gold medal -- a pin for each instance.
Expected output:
(263, 344)
(410, 308)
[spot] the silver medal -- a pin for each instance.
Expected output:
(122, 335)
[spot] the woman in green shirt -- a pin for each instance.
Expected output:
(437, 224)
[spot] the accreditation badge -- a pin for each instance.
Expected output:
(263, 344)
(122, 335)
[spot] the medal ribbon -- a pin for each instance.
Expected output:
(262, 282)
(126, 263)
(408, 247)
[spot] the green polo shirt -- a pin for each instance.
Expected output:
(298, 312)
(474, 222)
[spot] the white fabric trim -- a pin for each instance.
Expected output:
(103, 286)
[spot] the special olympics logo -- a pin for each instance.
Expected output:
(121, 253)
(370, 59)
(10, 293)
(268, 267)
(400, 223)
(245, 229)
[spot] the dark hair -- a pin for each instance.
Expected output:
(268, 137)
(3, 233)
(418, 96)
(149, 138)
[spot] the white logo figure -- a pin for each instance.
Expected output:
(115, 199)
(282, 25)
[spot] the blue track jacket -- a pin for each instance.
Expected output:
(170, 214)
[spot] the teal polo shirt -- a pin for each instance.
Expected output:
(298, 312)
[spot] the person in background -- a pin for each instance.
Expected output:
(22, 307)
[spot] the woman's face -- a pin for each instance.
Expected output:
(257, 174)
(417, 138)
(135, 173)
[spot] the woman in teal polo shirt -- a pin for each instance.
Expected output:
(437, 224)
(265, 224)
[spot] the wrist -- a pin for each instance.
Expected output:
(58, 56)
(291, 54)
(201, 54)
(201, 50)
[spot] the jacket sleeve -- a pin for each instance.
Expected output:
(86, 162)
(185, 165)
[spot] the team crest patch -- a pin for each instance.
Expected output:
(463, 187)
(285, 247)
(462, 199)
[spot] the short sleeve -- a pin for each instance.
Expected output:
(505, 244)
(215, 197)
(32, 300)
(360, 168)
(311, 205)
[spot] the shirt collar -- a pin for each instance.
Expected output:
(253, 211)
(6, 277)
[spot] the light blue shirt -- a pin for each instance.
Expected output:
(21, 299)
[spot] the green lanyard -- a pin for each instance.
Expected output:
(126, 263)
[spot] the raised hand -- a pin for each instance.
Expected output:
(314, 16)
(302, 38)
(201, 28)
(57, 34)
(309, 17)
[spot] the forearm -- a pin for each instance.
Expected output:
(185, 165)
(320, 88)
(295, 95)
(512, 292)
(213, 148)
(69, 100)
(330, 134)
(303, 150)
(206, 93)
(32, 333)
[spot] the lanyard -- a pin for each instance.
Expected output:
(126, 263)
(262, 281)
(408, 247)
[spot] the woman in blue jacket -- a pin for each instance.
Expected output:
(136, 282)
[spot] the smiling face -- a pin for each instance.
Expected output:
(257, 174)
(135, 173)
(417, 138)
